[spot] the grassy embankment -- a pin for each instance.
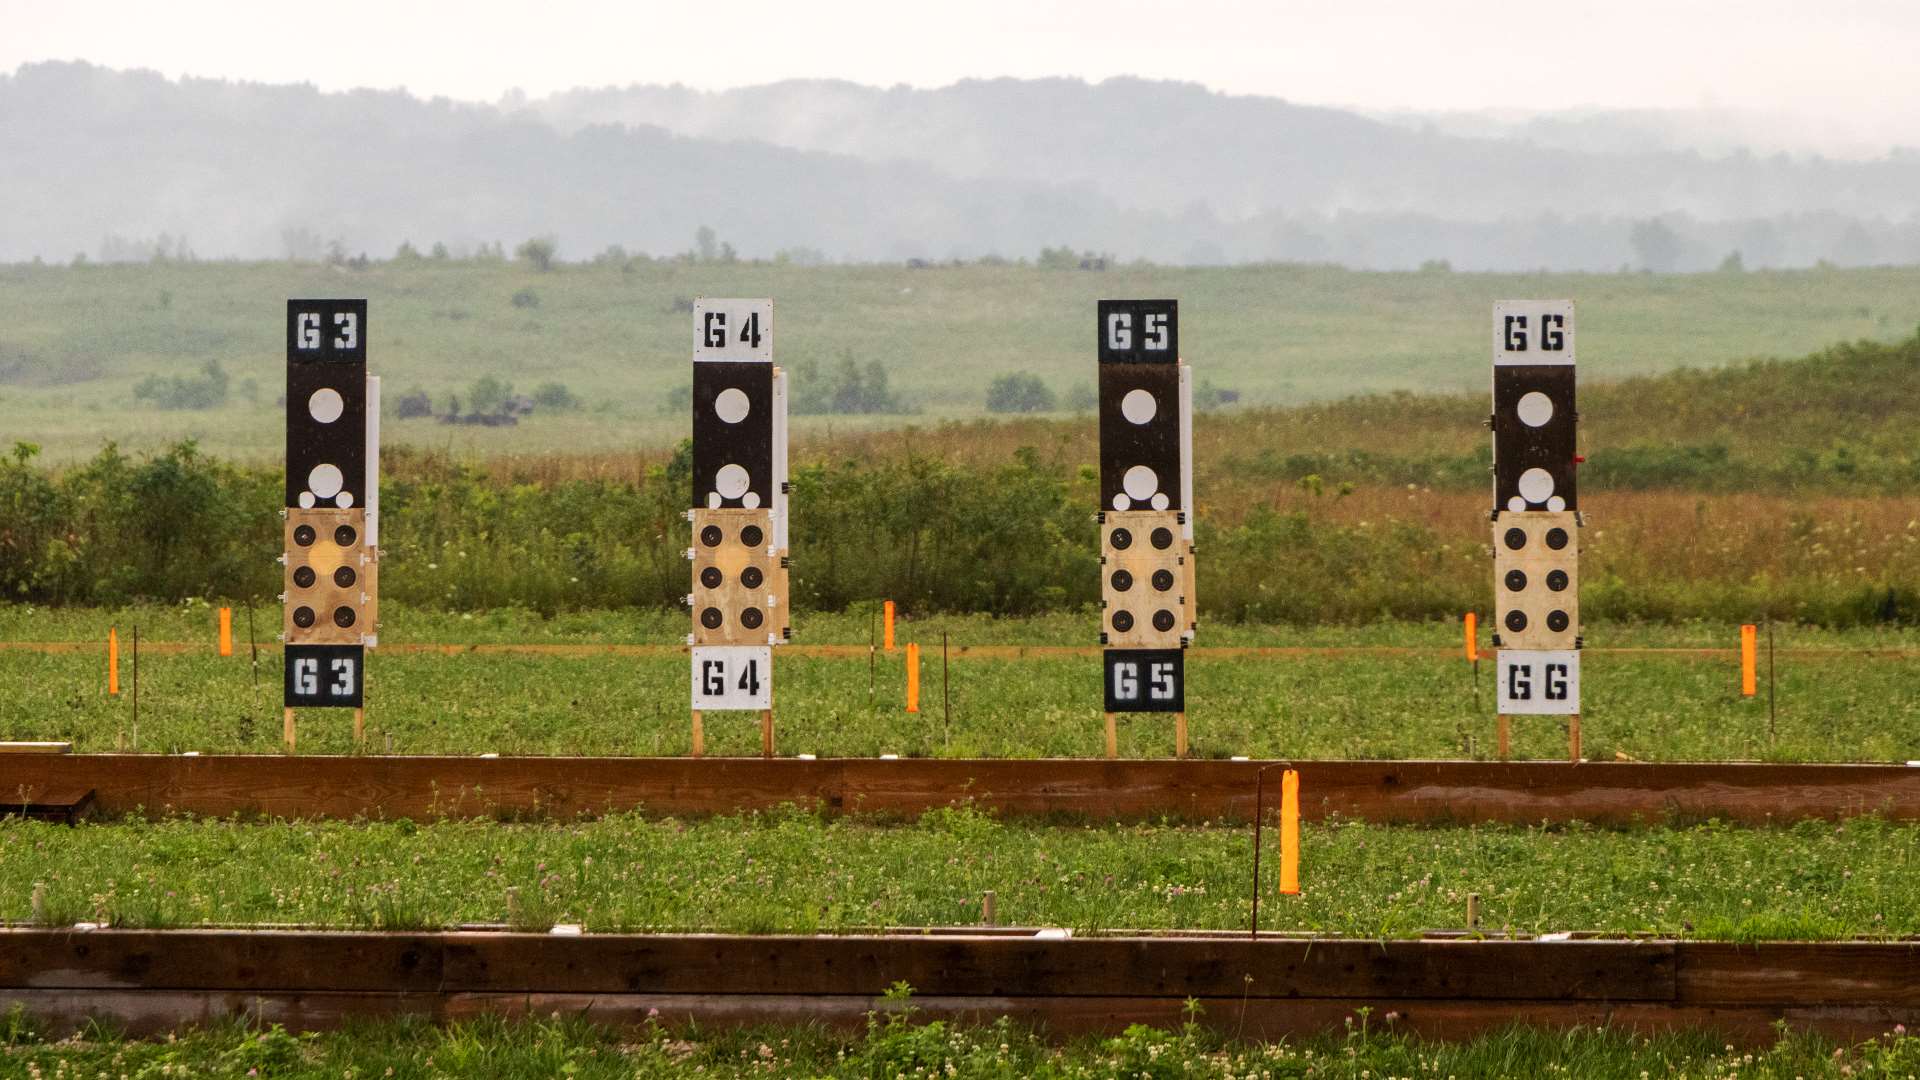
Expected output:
(896, 1044)
(791, 871)
(74, 342)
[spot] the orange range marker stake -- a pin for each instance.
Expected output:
(1749, 647)
(1290, 833)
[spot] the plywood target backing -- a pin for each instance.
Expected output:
(328, 578)
(739, 588)
(1144, 579)
(1537, 580)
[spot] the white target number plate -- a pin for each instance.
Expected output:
(732, 677)
(1533, 332)
(732, 329)
(1538, 682)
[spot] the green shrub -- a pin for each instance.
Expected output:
(1018, 392)
(207, 390)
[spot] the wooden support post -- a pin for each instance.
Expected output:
(699, 736)
(1180, 734)
(766, 733)
(1501, 725)
(360, 727)
(1113, 737)
(1473, 911)
(286, 729)
(988, 917)
(1573, 738)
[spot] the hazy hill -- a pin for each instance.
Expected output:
(108, 163)
(1168, 146)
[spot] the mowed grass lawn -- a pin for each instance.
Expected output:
(1394, 690)
(74, 342)
(898, 1044)
(789, 871)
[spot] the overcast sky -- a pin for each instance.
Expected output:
(1845, 63)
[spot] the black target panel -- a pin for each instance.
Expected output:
(1139, 393)
(1534, 421)
(1139, 331)
(1126, 445)
(326, 403)
(726, 438)
(1144, 680)
(324, 676)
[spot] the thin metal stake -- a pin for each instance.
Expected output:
(1259, 811)
(946, 697)
(253, 645)
(871, 616)
(136, 686)
(1772, 730)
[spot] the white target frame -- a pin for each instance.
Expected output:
(732, 329)
(1538, 682)
(732, 677)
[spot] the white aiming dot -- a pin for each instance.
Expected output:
(731, 481)
(326, 481)
(1159, 500)
(1121, 502)
(1535, 408)
(1536, 485)
(1140, 482)
(1556, 504)
(1516, 503)
(731, 405)
(713, 500)
(326, 405)
(306, 500)
(343, 500)
(751, 500)
(1138, 406)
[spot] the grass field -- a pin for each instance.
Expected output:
(1392, 690)
(75, 341)
(790, 871)
(897, 1045)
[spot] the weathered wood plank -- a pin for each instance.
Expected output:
(237, 960)
(1800, 973)
(1409, 791)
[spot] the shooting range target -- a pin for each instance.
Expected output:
(738, 500)
(1536, 524)
(330, 574)
(1146, 529)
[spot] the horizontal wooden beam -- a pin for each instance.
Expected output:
(861, 965)
(147, 982)
(1430, 792)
